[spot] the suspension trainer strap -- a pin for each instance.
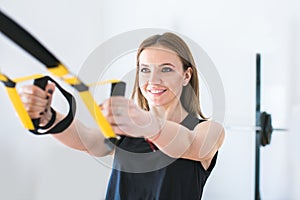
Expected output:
(64, 123)
(25, 40)
(21, 37)
(15, 99)
(33, 124)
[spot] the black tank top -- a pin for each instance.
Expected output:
(141, 174)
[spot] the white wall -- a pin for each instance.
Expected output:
(231, 32)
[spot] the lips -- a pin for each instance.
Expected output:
(156, 91)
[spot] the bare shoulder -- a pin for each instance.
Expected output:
(210, 126)
(211, 135)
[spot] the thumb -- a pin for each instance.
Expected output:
(47, 112)
(50, 88)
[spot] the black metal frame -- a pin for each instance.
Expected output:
(257, 123)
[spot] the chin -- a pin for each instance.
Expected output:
(156, 103)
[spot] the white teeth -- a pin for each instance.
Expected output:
(156, 91)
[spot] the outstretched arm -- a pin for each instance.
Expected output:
(199, 144)
(172, 138)
(80, 137)
(38, 103)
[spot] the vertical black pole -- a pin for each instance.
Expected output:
(257, 123)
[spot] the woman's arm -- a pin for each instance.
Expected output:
(80, 137)
(200, 144)
(38, 103)
(172, 138)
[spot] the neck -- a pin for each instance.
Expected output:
(174, 112)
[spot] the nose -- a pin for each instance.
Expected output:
(154, 77)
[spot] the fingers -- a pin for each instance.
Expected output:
(50, 88)
(46, 116)
(118, 130)
(128, 119)
(37, 102)
(115, 107)
(115, 110)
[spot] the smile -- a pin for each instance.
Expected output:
(157, 91)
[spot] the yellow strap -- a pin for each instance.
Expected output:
(3, 77)
(59, 71)
(96, 113)
(72, 80)
(25, 78)
(86, 96)
(19, 107)
(103, 82)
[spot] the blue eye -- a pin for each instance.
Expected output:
(166, 69)
(145, 70)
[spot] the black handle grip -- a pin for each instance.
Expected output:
(65, 122)
(41, 83)
(117, 89)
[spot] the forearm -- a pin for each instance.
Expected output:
(78, 136)
(179, 142)
(173, 139)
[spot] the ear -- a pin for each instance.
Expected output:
(187, 76)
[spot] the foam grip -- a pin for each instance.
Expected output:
(41, 83)
(67, 120)
(118, 89)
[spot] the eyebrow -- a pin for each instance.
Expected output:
(161, 65)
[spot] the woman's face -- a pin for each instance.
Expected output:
(161, 76)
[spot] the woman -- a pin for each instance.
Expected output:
(165, 119)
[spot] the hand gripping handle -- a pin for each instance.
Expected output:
(117, 89)
(64, 123)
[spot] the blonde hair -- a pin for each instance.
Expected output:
(190, 94)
